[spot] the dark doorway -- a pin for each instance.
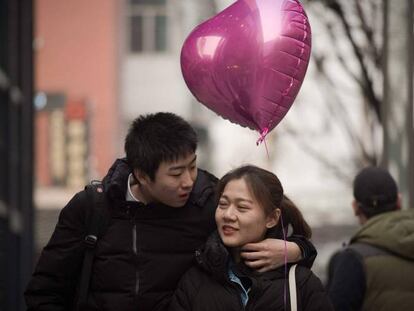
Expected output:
(16, 155)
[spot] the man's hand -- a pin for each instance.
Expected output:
(269, 254)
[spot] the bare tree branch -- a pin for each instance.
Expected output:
(339, 112)
(318, 156)
(339, 55)
(367, 89)
(354, 20)
(368, 32)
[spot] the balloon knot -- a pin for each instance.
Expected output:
(262, 136)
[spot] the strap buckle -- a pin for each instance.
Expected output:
(90, 240)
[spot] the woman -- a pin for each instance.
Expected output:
(251, 207)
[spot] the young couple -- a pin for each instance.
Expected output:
(166, 216)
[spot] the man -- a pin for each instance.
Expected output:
(376, 270)
(161, 210)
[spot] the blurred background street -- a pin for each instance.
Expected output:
(74, 74)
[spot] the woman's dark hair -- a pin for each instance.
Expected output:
(295, 218)
(154, 138)
(268, 191)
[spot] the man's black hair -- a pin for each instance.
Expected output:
(158, 137)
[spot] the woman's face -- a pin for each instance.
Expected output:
(239, 217)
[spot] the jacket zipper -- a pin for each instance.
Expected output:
(134, 249)
(252, 297)
(237, 294)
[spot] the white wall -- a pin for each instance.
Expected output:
(153, 83)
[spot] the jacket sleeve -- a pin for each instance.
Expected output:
(53, 283)
(185, 293)
(309, 252)
(313, 295)
(346, 284)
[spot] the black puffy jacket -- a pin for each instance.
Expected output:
(206, 286)
(140, 258)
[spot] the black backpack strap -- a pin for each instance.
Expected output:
(98, 221)
(368, 250)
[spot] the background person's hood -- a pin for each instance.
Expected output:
(391, 231)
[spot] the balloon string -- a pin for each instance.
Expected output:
(262, 138)
(285, 255)
(267, 150)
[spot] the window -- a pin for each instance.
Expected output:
(148, 26)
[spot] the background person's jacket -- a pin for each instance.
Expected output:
(207, 287)
(376, 271)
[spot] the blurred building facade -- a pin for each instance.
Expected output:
(76, 81)
(97, 69)
(99, 64)
(152, 35)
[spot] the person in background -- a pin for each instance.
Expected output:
(161, 209)
(251, 208)
(376, 270)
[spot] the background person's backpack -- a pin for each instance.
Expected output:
(98, 218)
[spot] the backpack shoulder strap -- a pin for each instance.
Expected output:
(97, 222)
(292, 288)
(367, 250)
(98, 217)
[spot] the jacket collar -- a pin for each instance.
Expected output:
(214, 258)
(115, 181)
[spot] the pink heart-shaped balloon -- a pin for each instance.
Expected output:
(247, 63)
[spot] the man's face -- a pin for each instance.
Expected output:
(173, 182)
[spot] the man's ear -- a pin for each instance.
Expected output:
(141, 177)
(273, 218)
(355, 207)
(399, 202)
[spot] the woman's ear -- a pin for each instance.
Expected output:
(273, 218)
